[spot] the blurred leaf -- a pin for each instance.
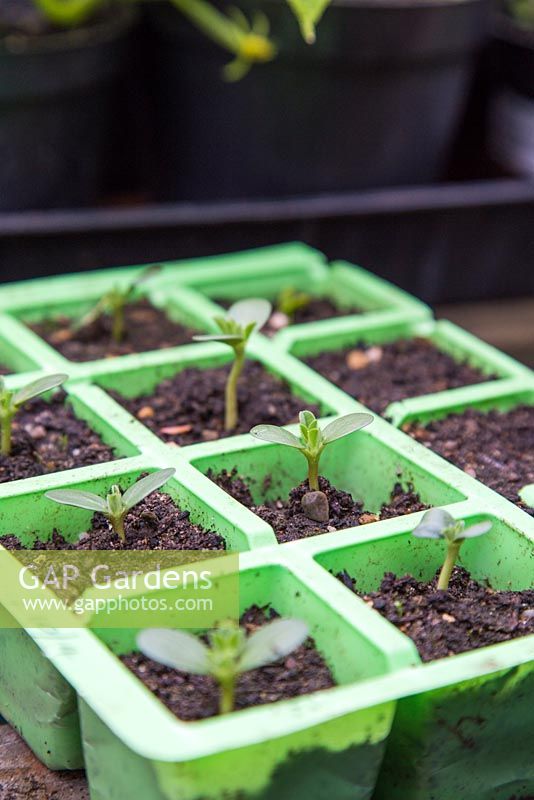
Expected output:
(475, 530)
(40, 386)
(308, 14)
(255, 310)
(527, 495)
(175, 649)
(433, 524)
(273, 642)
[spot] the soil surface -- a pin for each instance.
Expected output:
(189, 407)
(147, 328)
(378, 375)
(317, 309)
(154, 524)
(290, 523)
(496, 447)
(193, 697)
(23, 777)
(47, 437)
(442, 624)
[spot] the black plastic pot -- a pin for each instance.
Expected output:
(511, 122)
(376, 101)
(55, 104)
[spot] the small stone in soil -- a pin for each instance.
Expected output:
(154, 524)
(146, 328)
(496, 448)
(47, 437)
(378, 376)
(444, 623)
(189, 407)
(290, 523)
(315, 506)
(192, 697)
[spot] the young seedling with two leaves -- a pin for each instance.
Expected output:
(115, 505)
(229, 651)
(311, 443)
(114, 303)
(12, 402)
(236, 328)
(291, 300)
(439, 524)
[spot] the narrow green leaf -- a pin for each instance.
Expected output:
(72, 497)
(433, 524)
(527, 495)
(273, 642)
(255, 310)
(345, 425)
(175, 649)
(308, 14)
(272, 433)
(475, 530)
(146, 486)
(218, 337)
(40, 386)
(306, 418)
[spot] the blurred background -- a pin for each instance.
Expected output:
(402, 139)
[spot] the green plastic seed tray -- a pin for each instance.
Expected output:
(463, 735)
(266, 272)
(394, 728)
(325, 742)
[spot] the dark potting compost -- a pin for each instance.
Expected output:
(156, 523)
(290, 523)
(48, 437)
(378, 375)
(146, 328)
(496, 448)
(444, 623)
(189, 407)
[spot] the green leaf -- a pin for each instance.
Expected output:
(345, 425)
(272, 642)
(433, 524)
(308, 14)
(146, 486)
(255, 310)
(527, 495)
(218, 337)
(175, 649)
(307, 418)
(475, 530)
(71, 497)
(40, 386)
(272, 433)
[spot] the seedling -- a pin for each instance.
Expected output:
(439, 524)
(312, 439)
(236, 328)
(527, 495)
(114, 302)
(290, 300)
(116, 504)
(12, 402)
(229, 651)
